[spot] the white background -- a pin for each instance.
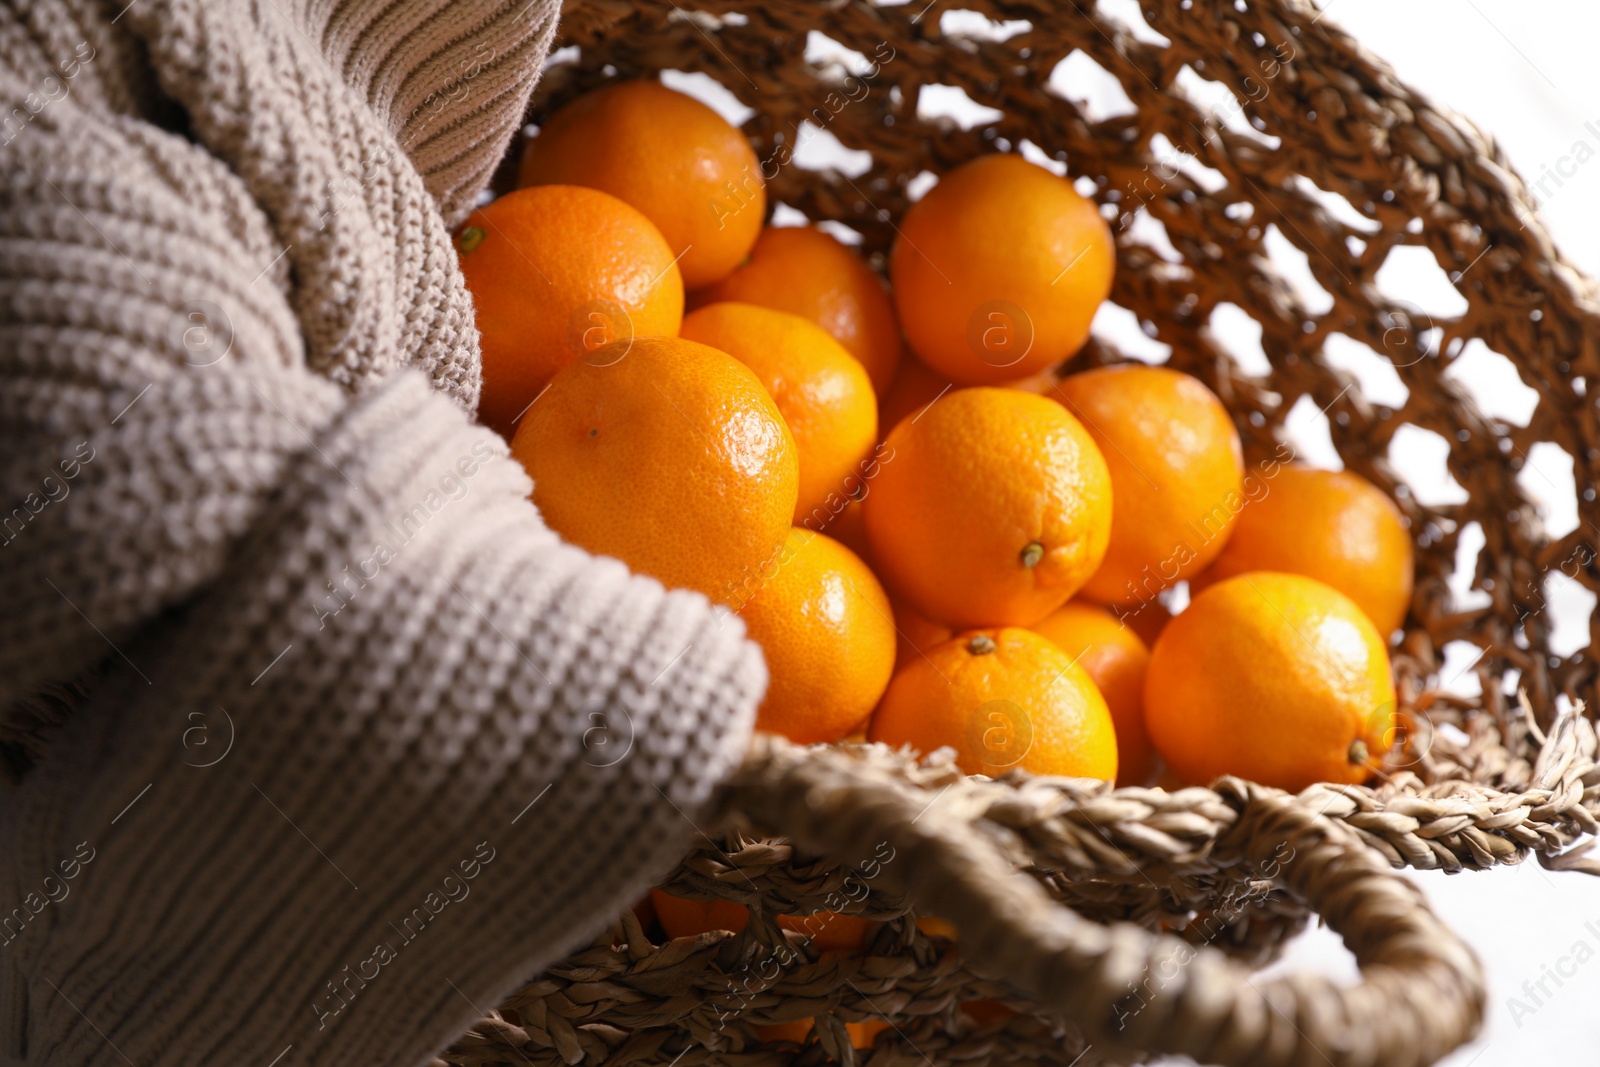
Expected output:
(1528, 75)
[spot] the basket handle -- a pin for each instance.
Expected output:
(1422, 992)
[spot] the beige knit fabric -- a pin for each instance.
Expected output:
(349, 742)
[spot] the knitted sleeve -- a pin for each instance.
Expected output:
(352, 743)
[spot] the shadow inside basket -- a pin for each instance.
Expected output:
(1262, 175)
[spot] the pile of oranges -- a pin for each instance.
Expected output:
(938, 538)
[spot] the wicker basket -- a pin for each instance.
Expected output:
(1170, 896)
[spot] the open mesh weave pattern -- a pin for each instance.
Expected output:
(1254, 127)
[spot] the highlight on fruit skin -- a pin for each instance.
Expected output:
(555, 273)
(826, 628)
(668, 455)
(1272, 677)
(1334, 526)
(673, 158)
(998, 271)
(1001, 699)
(995, 509)
(1177, 475)
(809, 272)
(1116, 660)
(821, 390)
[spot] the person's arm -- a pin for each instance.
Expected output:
(357, 743)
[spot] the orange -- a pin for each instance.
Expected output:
(842, 520)
(915, 634)
(827, 630)
(681, 917)
(1176, 471)
(999, 270)
(1042, 383)
(1333, 526)
(861, 1034)
(668, 455)
(827, 931)
(1171, 781)
(1147, 619)
(994, 509)
(988, 1012)
(820, 389)
(810, 273)
(865, 1032)
(1002, 699)
(1115, 660)
(1272, 677)
(915, 387)
(672, 157)
(830, 931)
(555, 273)
(794, 1031)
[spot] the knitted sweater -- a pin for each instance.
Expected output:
(320, 741)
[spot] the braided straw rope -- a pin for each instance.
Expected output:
(1318, 148)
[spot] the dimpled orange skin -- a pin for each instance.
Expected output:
(1115, 660)
(827, 630)
(549, 269)
(1333, 526)
(999, 229)
(821, 390)
(1176, 470)
(973, 488)
(672, 157)
(1271, 677)
(810, 273)
(668, 455)
(1022, 703)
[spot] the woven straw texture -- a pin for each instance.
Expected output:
(1314, 147)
